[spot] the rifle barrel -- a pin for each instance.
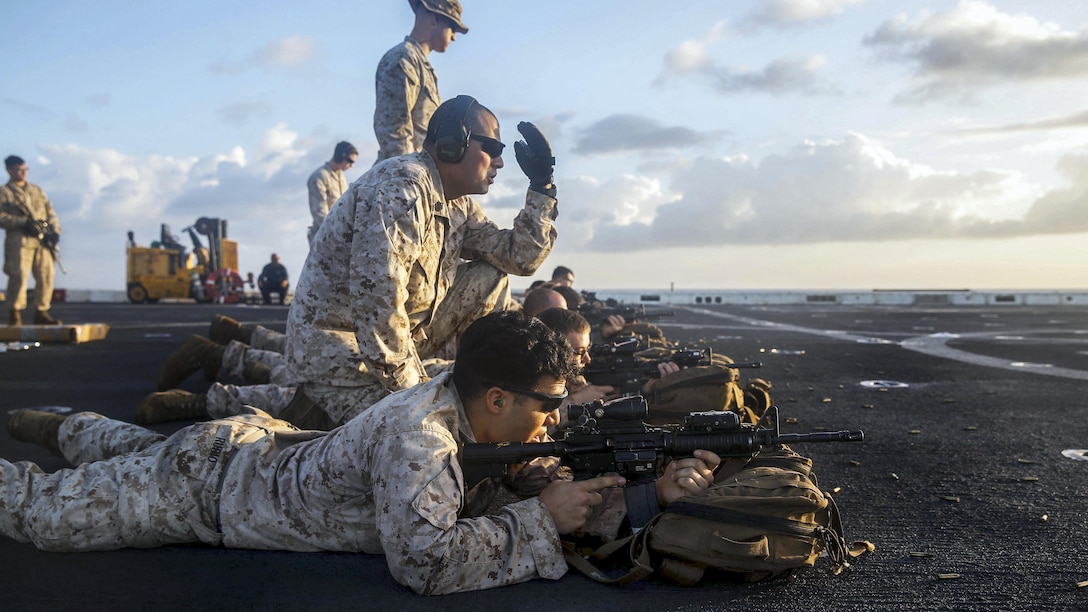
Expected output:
(823, 436)
(745, 364)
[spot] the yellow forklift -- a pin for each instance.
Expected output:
(167, 270)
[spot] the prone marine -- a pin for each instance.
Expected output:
(388, 482)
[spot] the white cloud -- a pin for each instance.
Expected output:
(853, 189)
(796, 12)
(109, 188)
(1078, 120)
(692, 56)
(786, 75)
(100, 194)
(291, 52)
(779, 77)
(285, 53)
(621, 133)
(955, 52)
(280, 150)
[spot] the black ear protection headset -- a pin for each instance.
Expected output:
(451, 134)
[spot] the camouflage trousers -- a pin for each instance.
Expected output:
(478, 289)
(20, 264)
(268, 339)
(86, 437)
(138, 499)
(238, 355)
(228, 400)
(160, 491)
(225, 400)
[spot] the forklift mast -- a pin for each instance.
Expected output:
(216, 231)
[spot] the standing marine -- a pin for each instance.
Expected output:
(32, 229)
(405, 82)
(327, 184)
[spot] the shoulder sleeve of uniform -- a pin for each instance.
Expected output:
(520, 250)
(429, 549)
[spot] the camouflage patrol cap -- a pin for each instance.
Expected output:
(446, 8)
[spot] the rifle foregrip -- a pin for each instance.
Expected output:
(733, 444)
(747, 442)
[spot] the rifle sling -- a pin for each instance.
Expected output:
(641, 500)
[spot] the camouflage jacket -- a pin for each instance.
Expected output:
(385, 260)
(389, 482)
(325, 186)
(16, 203)
(406, 96)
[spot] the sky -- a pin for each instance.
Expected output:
(748, 144)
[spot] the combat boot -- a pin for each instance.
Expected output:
(224, 329)
(173, 405)
(41, 317)
(196, 353)
(256, 373)
(16, 318)
(37, 427)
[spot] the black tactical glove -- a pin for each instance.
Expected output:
(534, 155)
(50, 240)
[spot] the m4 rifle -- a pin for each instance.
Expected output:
(612, 437)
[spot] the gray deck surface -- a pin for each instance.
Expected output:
(993, 396)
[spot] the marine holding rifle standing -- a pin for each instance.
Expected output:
(32, 230)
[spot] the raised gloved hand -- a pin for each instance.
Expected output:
(534, 155)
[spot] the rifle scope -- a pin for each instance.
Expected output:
(631, 408)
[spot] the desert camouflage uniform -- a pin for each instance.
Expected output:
(237, 355)
(268, 339)
(86, 437)
(326, 186)
(406, 96)
(24, 256)
(387, 483)
(384, 285)
(225, 400)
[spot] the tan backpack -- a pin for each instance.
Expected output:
(762, 518)
(707, 388)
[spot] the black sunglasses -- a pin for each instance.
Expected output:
(489, 145)
(551, 403)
